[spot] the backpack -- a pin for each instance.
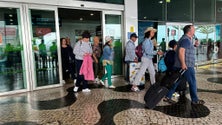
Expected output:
(139, 51)
(161, 65)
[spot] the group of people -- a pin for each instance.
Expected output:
(182, 56)
(181, 52)
(72, 60)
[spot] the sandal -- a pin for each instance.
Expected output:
(198, 102)
(166, 99)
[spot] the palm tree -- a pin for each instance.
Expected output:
(207, 29)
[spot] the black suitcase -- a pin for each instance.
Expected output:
(157, 91)
(171, 77)
(154, 94)
(182, 87)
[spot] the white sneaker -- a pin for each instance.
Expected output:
(75, 89)
(96, 81)
(101, 81)
(112, 87)
(74, 81)
(86, 90)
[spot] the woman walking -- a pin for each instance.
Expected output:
(81, 49)
(107, 61)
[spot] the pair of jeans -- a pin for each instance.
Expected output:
(80, 78)
(127, 70)
(189, 75)
(108, 74)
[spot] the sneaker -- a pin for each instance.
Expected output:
(112, 87)
(166, 99)
(74, 81)
(135, 89)
(101, 81)
(86, 90)
(75, 89)
(198, 102)
(97, 81)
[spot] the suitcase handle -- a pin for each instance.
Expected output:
(182, 71)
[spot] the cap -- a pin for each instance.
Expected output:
(108, 38)
(133, 35)
(172, 43)
(150, 29)
(86, 34)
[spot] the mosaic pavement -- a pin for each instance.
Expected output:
(102, 106)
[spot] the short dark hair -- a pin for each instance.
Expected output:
(133, 35)
(187, 28)
(86, 34)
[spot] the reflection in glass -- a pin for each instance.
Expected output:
(205, 50)
(179, 10)
(151, 10)
(44, 47)
(204, 11)
(12, 72)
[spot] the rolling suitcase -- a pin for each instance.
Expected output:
(154, 94)
(157, 91)
(182, 87)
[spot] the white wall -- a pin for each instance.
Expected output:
(130, 17)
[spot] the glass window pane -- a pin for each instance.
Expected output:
(12, 71)
(151, 10)
(204, 11)
(219, 11)
(179, 10)
(44, 47)
(113, 28)
(206, 37)
(219, 40)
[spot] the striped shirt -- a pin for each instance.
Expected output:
(81, 48)
(130, 51)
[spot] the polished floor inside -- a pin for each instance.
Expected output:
(120, 106)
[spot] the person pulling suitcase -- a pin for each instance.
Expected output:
(185, 59)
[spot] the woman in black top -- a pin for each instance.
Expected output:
(68, 59)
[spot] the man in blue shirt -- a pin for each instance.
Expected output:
(185, 59)
(130, 53)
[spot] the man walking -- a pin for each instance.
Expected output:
(130, 53)
(185, 59)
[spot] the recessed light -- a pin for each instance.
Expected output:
(11, 23)
(81, 18)
(10, 15)
(160, 1)
(91, 14)
(144, 17)
(11, 20)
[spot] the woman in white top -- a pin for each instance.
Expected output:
(81, 49)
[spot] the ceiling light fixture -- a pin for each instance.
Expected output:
(91, 14)
(161, 2)
(81, 18)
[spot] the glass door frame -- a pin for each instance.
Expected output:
(119, 13)
(34, 79)
(25, 51)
